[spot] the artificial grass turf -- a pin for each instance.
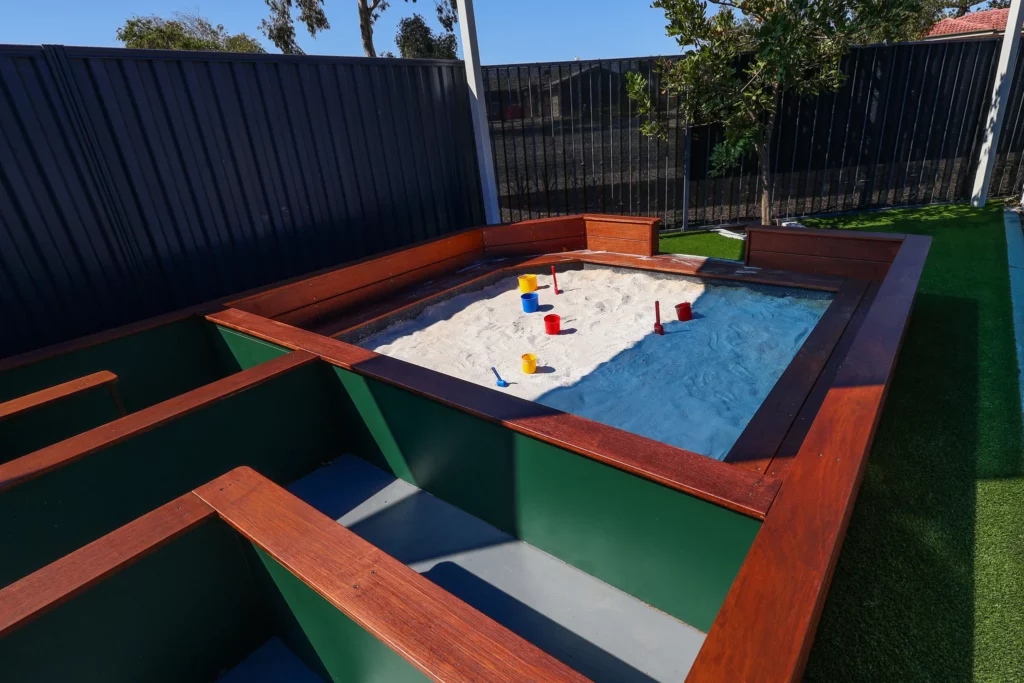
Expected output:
(703, 243)
(930, 582)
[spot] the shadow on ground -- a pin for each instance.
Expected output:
(903, 590)
(930, 582)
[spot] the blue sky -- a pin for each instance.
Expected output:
(510, 31)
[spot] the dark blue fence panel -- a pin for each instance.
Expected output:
(136, 182)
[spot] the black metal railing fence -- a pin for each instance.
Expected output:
(903, 130)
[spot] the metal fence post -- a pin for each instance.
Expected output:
(1000, 93)
(686, 177)
(478, 107)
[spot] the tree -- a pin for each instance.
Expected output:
(280, 29)
(447, 14)
(946, 8)
(739, 65)
(183, 32)
(415, 40)
(370, 11)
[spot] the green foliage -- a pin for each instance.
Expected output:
(369, 13)
(741, 59)
(418, 38)
(447, 14)
(279, 27)
(951, 8)
(183, 32)
(415, 40)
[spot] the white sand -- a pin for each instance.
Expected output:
(696, 387)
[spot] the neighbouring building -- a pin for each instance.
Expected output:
(990, 22)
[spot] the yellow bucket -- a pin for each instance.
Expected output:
(529, 363)
(527, 283)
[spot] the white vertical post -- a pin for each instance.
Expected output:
(478, 109)
(1000, 95)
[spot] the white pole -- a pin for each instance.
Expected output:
(1000, 95)
(478, 108)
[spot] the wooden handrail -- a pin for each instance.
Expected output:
(23, 404)
(65, 452)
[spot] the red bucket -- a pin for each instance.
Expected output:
(552, 323)
(684, 312)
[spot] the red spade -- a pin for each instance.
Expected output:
(554, 279)
(658, 329)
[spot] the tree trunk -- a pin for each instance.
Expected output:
(366, 28)
(763, 146)
(762, 170)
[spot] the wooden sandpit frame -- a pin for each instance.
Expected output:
(798, 465)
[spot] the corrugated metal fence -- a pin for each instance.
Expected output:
(904, 130)
(137, 182)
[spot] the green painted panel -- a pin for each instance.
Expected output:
(151, 366)
(362, 398)
(672, 550)
(345, 650)
(283, 428)
(55, 422)
(462, 459)
(188, 612)
(248, 351)
(240, 351)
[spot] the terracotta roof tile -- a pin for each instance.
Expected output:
(986, 20)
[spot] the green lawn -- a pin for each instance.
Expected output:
(703, 244)
(930, 583)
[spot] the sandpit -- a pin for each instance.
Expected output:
(696, 387)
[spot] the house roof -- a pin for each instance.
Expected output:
(990, 21)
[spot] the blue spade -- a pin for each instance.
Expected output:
(501, 383)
